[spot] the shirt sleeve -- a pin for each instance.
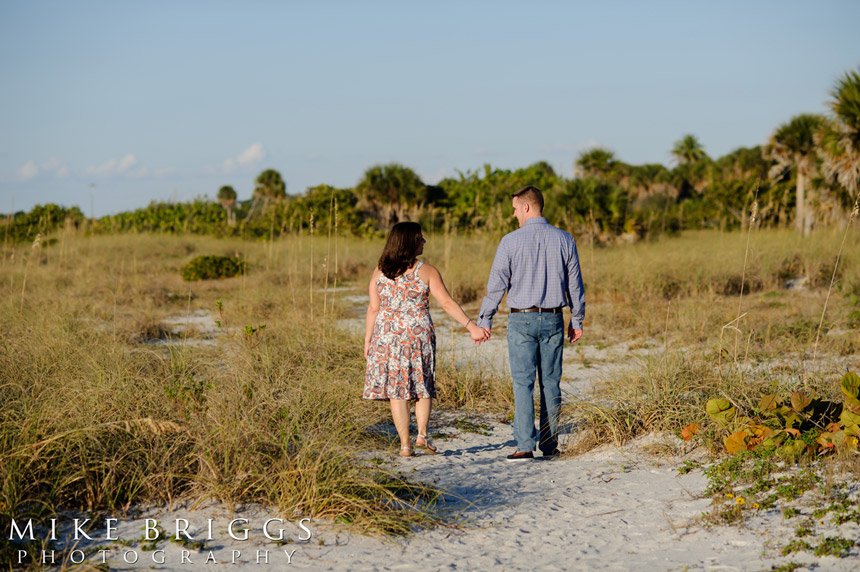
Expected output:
(497, 285)
(575, 288)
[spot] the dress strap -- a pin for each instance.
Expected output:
(417, 266)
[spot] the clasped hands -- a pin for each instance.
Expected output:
(479, 335)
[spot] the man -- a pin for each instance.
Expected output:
(538, 266)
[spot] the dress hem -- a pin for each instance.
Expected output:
(390, 398)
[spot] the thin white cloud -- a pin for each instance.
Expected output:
(55, 166)
(253, 155)
(118, 166)
(28, 170)
(32, 169)
(126, 163)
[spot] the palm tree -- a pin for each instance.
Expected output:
(595, 162)
(227, 198)
(839, 140)
(690, 172)
(270, 185)
(792, 146)
(688, 150)
(388, 190)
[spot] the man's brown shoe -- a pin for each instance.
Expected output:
(520, 456)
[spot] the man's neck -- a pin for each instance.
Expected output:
(528, 219)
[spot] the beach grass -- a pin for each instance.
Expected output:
(712, 337)
(106, 408)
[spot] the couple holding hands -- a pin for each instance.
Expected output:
(537, 265)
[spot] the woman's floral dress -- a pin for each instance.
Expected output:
(402, 360)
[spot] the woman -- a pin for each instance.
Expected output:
(399, 340)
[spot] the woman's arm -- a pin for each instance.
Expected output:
(440, 293)
(372, 311)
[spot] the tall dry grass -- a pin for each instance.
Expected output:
(698, 278)
(691, 291)
(474, 389)
(99, 413)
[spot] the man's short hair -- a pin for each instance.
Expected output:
(531, 195)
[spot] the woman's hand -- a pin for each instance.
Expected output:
(366, 349)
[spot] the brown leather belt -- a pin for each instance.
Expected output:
(539, 310)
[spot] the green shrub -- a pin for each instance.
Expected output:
(212, 267)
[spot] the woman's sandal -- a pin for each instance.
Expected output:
(406, 452)
(428, 445)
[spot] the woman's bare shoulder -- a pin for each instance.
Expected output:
(427, 271)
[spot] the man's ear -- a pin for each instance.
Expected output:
(526, 206)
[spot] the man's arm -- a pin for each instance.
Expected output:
(498, 283)
(575, 291)
(440, 293)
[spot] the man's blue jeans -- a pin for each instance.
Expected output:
(535, 344)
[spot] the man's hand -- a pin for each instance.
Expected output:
(573, 334)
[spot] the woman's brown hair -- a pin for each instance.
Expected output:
(401, 249)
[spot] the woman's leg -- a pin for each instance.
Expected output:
(422, 418)
(422, 414)
(400, 414)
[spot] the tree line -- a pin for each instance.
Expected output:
(806, 176)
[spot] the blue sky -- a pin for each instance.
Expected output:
(108, 105)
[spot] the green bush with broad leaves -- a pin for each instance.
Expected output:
(213, 268)
(795, 426)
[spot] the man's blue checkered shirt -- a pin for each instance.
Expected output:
(537, 265)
